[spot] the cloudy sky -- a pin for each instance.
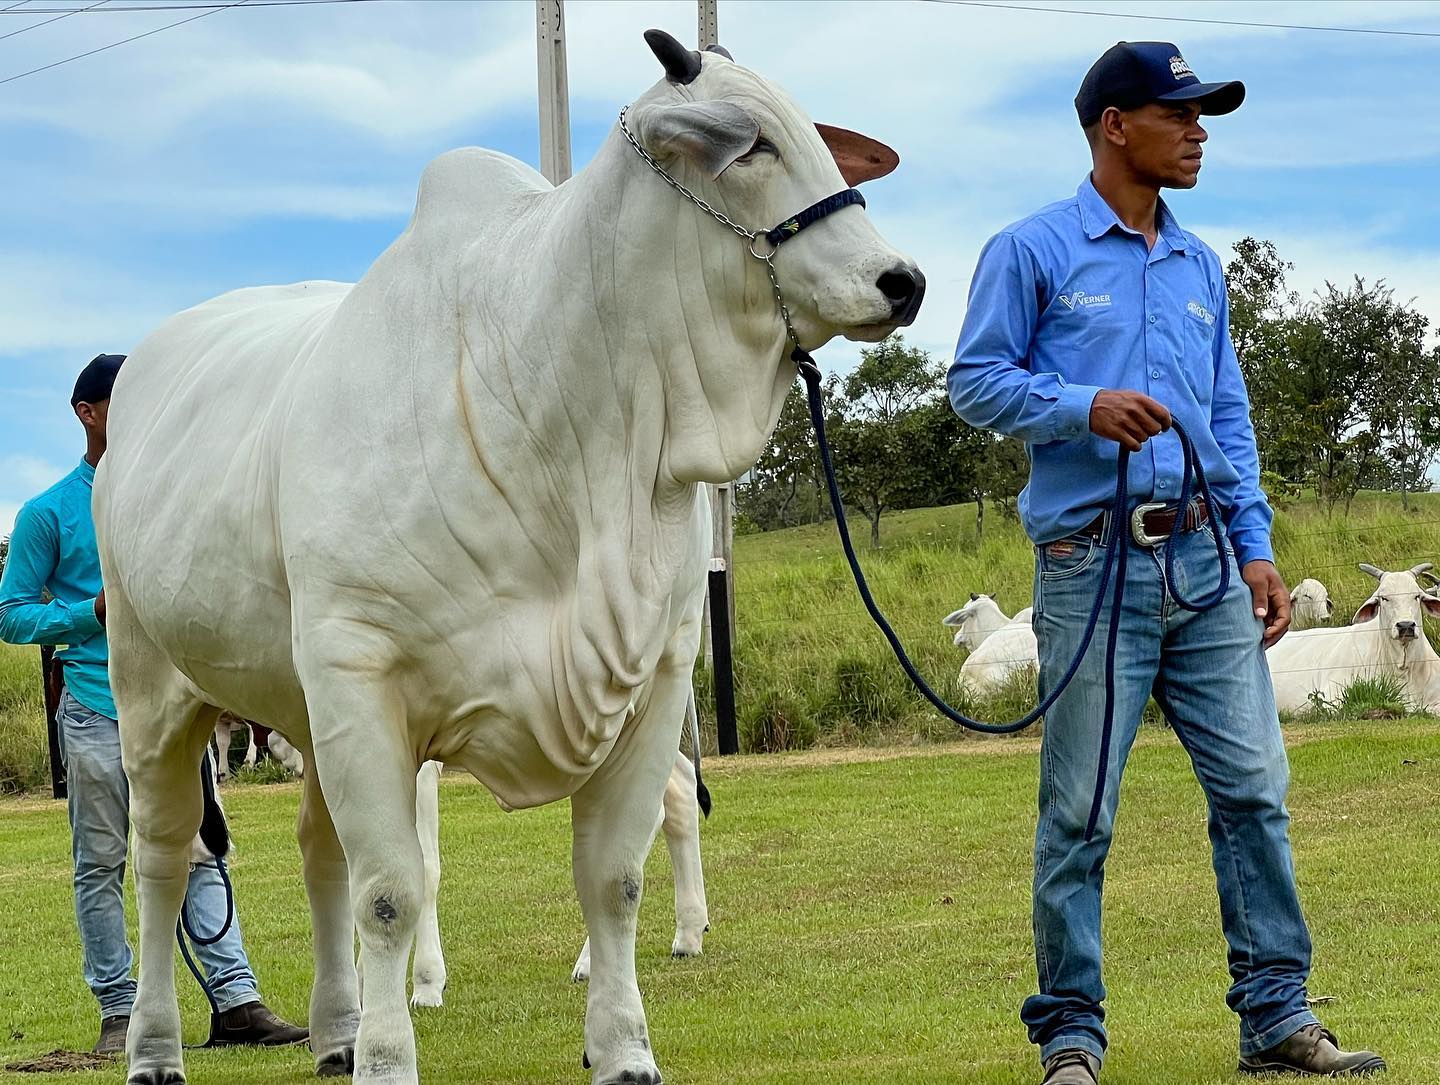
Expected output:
(284, 143)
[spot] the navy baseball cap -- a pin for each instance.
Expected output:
(1135, 73)
(96, 379)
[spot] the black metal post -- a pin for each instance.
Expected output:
(726, 731)
(52, 681)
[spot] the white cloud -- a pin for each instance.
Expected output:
(8, 511)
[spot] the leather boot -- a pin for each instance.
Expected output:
(1312, 1052)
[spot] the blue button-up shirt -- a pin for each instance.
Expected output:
(1071, 301)
(53, 548)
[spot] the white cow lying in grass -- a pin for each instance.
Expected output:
(680, 813)
(1000, 652)
(1310, 605)
(1386, 638)
(976, 620)
(451, 512)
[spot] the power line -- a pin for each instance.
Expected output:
(47, 22)
(123, 41)
(214, 5)
(1191, 19)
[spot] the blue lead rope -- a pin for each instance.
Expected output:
(183, 926)
(1115, 561)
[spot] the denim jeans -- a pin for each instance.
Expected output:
(99, 828)
(1209, 675)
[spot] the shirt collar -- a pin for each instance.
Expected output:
(1098, 218)
(85, 471)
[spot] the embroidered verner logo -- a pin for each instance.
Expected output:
(1199, 312)
(1078, 299)
(1179, 69)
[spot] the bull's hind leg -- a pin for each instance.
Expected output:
(428, 971)
(614, 817)
(335, 996)
(164, 728)
(369, 789)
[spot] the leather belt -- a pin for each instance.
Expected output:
(1154, 522)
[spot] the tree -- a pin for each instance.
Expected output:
(4, 551)
(1407, 413)
(893, 432)
(785, 487)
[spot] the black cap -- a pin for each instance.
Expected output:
(1135, 73)
(96, 379)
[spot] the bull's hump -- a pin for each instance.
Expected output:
(472, 182)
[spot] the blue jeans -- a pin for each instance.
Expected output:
(1209, 675)
(99, 828)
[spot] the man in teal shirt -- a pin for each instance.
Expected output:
(53, 549)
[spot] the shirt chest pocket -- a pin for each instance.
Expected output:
(1196, 349)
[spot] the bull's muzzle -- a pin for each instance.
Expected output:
(905, 287)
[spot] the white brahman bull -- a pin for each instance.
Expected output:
(451, 513)
(1310, 605)
(1387, 637)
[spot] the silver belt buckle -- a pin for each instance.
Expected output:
(1137, 524)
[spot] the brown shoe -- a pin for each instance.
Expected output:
(113, 1031)
(253, 1023)
(1072, 1067)
(1312, 1052)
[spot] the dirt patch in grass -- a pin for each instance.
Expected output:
(60, 1062)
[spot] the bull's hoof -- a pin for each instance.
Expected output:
(636, 1077)
(428, 995)
(337, 1064)
(156, 1077)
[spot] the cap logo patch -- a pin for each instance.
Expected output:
(1179, 69)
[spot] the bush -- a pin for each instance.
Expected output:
(864, 691)
(779, 722)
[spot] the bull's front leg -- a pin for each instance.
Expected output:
(614, 818)
(366, 770)
(335, 995)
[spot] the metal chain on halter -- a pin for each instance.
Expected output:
(751, 236)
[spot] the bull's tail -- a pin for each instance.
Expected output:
(692, 717)
(214, 833)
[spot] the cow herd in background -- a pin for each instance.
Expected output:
(1313, 663)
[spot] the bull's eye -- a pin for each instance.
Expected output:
(761, 146)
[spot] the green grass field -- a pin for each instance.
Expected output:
(870, 923)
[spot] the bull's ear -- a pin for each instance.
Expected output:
(860, 158)
(954, 618)
(1368, 611)
(710, 134)
(1431, 604)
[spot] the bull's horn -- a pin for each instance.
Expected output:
(1423, 567)
(681, 65)
(1376, 573)
(973, 597)
(719, 49)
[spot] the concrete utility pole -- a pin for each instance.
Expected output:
(554, 90)
(709, 23)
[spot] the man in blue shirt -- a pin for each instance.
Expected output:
(1091, 325)
(53, 548)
